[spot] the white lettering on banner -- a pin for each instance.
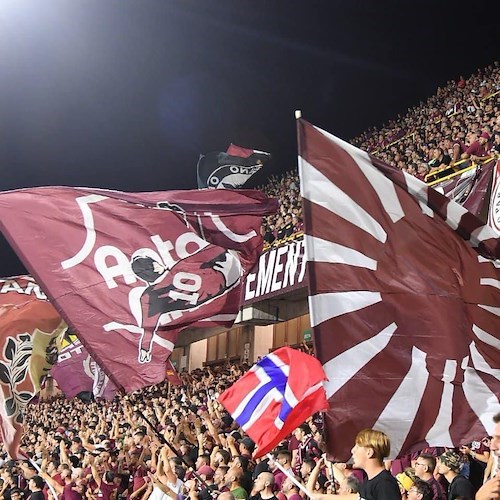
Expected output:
(158, 273)
(69, 351)
(30, 288)
(110, 272)
(277, 269)
(186, 244)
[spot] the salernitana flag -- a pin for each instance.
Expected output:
(30, 331)
(129, 271)
(404, 301)
(229, 170)
(76, 372)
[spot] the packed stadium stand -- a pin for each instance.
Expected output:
(103, 449)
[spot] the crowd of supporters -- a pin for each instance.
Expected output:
(460, 123)
(179, 442)
(117, 449)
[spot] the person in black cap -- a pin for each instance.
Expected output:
(246, 447)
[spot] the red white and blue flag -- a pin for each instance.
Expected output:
(279, 393)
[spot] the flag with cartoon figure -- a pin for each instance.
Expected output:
(129, 271)
(31, 330)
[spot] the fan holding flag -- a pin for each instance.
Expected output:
(278, 394)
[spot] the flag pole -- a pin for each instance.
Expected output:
(291, 477)
(177, 454)
(39, 470)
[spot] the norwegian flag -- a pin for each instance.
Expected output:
(129, 271)
(31, 331)
(275, 396)
(404, 301)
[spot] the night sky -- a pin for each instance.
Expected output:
(126, 94)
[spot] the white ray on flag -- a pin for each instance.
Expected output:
(480, 364)
(439, 433)
(486, 337)
(495, 263)
(385, 189)
(320, 250)
(454, 214)
(326, 306)
(481, 234)
(491, 309)
(318, 189)
(425, 209)
(490, 282)
(483, 402)
(344, 366)
(397, 417)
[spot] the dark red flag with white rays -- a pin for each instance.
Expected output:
(130, 270)
(404, 301)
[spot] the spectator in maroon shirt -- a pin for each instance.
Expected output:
(479, 148)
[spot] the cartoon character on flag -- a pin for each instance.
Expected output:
(185, 286)
(275, 396)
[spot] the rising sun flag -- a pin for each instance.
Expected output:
(404, 301)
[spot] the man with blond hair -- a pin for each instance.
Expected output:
(368, 453)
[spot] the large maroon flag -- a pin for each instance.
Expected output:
(404, 301)
(30, 330)
(130, 270)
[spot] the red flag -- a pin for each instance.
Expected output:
(171, 374)
(279, 393)
(30, 329)
(404, 301)
(130, 270)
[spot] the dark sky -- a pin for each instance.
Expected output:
(125, 94)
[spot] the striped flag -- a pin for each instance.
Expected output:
(404, 301)
(275, 396)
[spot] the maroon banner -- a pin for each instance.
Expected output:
(278, 271)
(30, 332)
(477, 200)
(494, 208)
(130, 270)
(404, 301)
(77, 372)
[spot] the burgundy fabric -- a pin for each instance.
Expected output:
(82, 245)
(436, 294)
